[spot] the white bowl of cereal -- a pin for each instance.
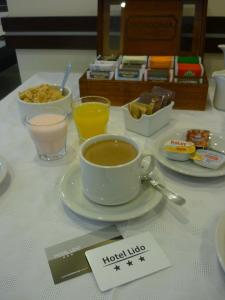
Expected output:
(43, 97)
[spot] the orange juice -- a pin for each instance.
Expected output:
(91, 118)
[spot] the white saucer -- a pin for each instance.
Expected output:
(3, 169)
(187, 167)
(220, 241)
(71, 194)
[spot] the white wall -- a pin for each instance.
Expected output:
(31, 61)
(52, 7)
(216, 8)
(213, 62)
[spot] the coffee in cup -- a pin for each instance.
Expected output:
(111, 169)
(110, 152)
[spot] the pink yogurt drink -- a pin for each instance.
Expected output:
(48, 132)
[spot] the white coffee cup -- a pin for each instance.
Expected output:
(113, 185)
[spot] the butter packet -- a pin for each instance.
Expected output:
(182, 151)
(179, 150)
(209, 159)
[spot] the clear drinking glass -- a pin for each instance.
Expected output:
(48, 131)
(91, 115)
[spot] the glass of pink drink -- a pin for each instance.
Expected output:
(48, 131)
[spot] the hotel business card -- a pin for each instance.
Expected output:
(126, 260)
(67, 260)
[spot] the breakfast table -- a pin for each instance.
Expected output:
(33, 216)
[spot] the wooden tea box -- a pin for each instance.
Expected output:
(152, 28)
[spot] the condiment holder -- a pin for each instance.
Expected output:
(147, 125)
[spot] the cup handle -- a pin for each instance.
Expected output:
(150, 166)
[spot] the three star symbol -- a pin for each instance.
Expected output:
(141, 258)
(130, 263)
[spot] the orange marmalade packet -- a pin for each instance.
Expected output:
(199, 137)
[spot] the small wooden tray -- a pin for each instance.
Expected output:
(187, 96)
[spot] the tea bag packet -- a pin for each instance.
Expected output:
(167, 95)
(107, 58)
(160, 62)
(189, 70)
(102, 66)
(159, 75)
(189, 80)
(199, 137)
(134, 60)
(100, 75)
(188, 59)
(129, 73)
(132, 67)
(101, 69)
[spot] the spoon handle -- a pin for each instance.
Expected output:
(166, 192)
(67, 72)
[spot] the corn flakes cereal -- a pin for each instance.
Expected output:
(41, 94)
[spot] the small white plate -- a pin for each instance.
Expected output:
(71, 194)
(3, 169)
(217, 143)
(186, 167)
(220, 241)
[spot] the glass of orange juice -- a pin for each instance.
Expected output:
(91, 115)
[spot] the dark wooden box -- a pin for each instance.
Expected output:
(150, 27)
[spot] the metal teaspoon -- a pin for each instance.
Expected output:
(175, 198)
(65, 77)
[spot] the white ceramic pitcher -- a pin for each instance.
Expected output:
(219, 96)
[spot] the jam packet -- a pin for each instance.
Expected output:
(199, 137)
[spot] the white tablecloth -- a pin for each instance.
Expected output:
(32, 218)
